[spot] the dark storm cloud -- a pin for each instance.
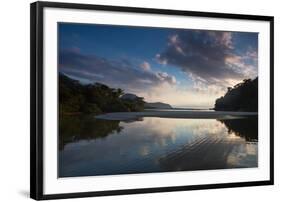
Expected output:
(207, 56)
(121, 74)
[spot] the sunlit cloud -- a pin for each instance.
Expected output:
(177, 96)
(209, 58)
(145, 66)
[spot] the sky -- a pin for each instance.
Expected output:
(182, 67)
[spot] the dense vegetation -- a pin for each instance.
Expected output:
(75, 98)
(242, 97)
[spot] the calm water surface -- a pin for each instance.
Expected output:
(98, 147)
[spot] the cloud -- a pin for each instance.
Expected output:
(163, 76)
(208, 57)
(172, 94)
(145, 66)
(160, 59)
(115, 73)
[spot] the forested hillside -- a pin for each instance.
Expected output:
(96, 98)
(242, 97)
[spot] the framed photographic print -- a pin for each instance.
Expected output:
(136, 100)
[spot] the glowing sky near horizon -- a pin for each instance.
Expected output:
(182, 67)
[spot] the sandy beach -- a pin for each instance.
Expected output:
(127, 116)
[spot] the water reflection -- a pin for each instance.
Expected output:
(75, 128)
(244, 128)
(95, 147)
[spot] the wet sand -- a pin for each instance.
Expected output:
(127, 116)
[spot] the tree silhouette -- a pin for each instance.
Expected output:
(242, 97)
(93, 98)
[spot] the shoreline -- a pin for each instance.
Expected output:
(128, 116)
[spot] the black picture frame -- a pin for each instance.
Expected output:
(36, 99)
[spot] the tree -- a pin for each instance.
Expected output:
(93, 98)
(242, 97)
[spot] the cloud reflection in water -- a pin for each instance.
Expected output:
(161, 145)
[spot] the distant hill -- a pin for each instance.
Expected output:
(147, 105)
(242, 97)
(157, 105)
